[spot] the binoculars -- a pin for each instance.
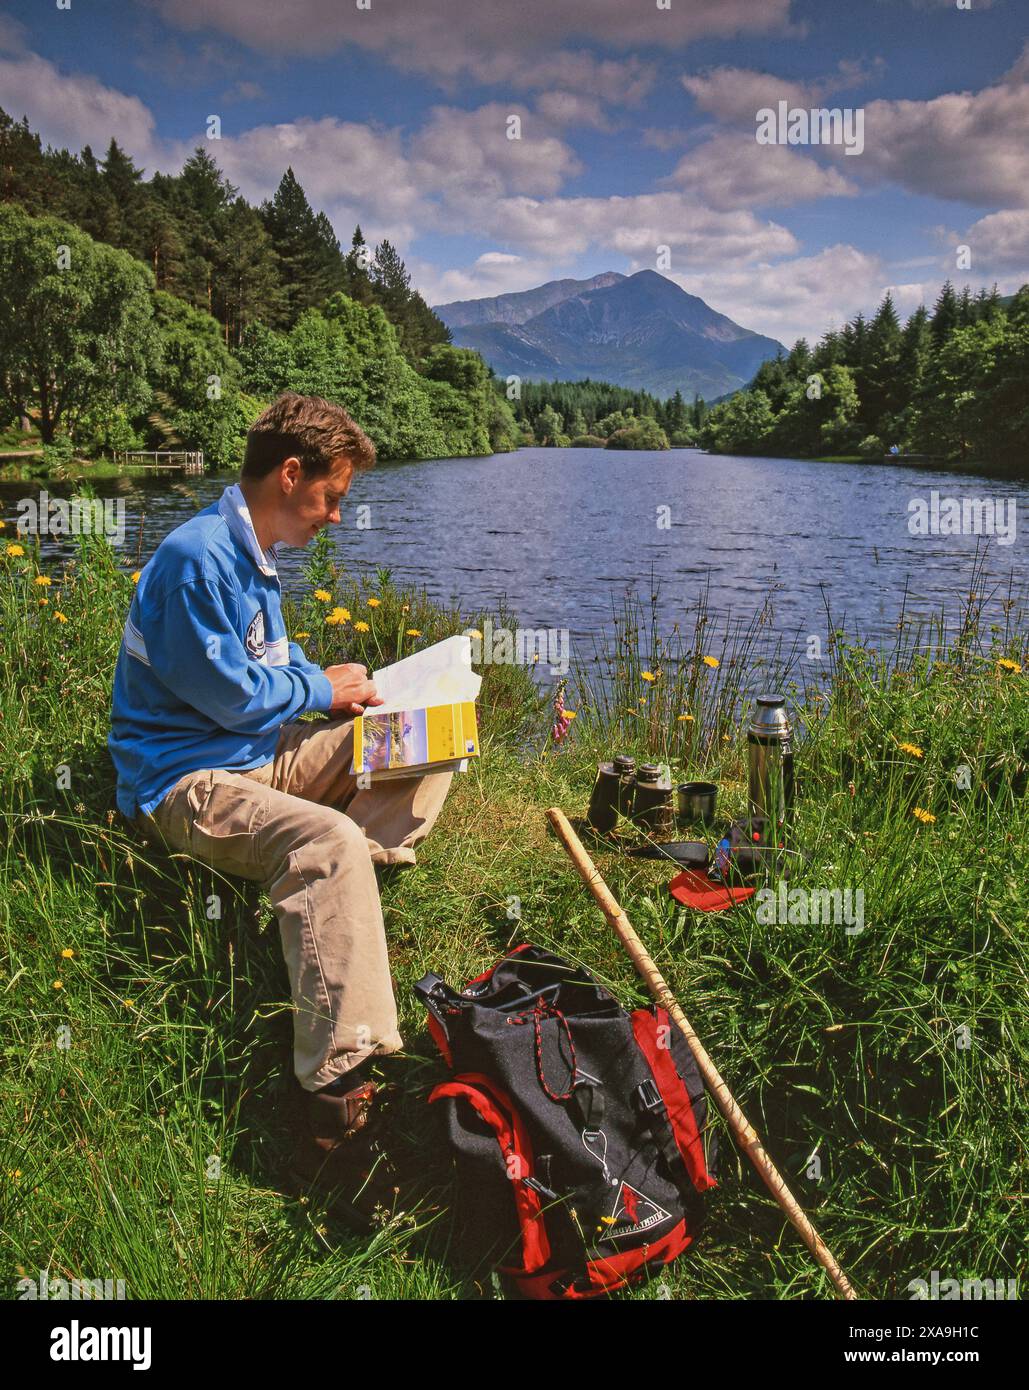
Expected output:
(639, 793)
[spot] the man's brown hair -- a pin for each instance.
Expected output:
(306, 427)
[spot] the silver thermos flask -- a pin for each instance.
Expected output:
(770, 763)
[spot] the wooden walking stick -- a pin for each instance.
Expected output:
(741, 1127)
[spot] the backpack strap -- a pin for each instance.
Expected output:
(676, 1106)
(496, 1108)
(439, 1000)
(655, 1120)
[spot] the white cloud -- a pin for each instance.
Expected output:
(999, 247)
(561, 228)
(493, 273)
(736, 95)
(572, 109)
(732, 170)
(1001, 242)
(466, 155)
(795, 298)
(354, 172)
(666, 137)
(490, 40)
(74, 110)
(969, 146)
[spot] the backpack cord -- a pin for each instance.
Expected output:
(544, 1009)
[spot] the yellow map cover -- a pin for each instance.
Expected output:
(408, 742)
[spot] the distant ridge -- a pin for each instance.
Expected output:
(642, 331)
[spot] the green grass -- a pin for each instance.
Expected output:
(143, 1105)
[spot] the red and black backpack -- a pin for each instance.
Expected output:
(578, 1130)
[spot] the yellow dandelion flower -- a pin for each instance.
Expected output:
(134, 576)
(911, 748)
(571, 713)
(711, 661)
(373, 602)
(297, 635)
(323, 595)
(67, 953)
(16, 551)
(474, 632)
(687, 717)
(58, 984)
(1006, 664)
(338, 615)
(926, 817)
(361, 627)
(413, 632)
(61, 618)
(43, 580)
(43, 602)
(725, 738)
(648, 676)
(128, 1004)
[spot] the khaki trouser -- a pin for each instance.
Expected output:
(302, 828)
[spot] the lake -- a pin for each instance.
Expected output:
(561, 534)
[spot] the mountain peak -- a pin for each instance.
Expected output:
(520, 305)
(641, 330)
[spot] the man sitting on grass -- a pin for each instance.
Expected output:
(214, 760)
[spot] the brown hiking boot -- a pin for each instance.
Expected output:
(338, 1160)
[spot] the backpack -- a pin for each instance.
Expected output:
(577, 1129)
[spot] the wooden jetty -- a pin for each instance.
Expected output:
(181, 460)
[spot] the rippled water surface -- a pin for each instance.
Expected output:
(562, 534)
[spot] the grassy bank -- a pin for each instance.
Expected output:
(147, 1047)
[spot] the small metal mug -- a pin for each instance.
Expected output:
(697, 801)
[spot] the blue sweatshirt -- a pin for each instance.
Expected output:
(206, 675)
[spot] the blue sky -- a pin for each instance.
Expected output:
(637, 131)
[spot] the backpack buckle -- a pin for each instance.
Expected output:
(649, 1096)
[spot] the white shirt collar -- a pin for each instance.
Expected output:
(232, 505)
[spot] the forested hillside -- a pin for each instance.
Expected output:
(952, 381)
(149, 312)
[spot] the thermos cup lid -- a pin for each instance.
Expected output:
(769, 718)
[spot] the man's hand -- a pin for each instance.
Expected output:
(351, 689)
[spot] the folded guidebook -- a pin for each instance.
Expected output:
(426, 722)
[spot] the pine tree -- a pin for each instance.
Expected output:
(247, 274)
(966, 307)
(120, 174)
(357, 283)
(945, 315)
(204, 187)
(307, 248)
(879, 387)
